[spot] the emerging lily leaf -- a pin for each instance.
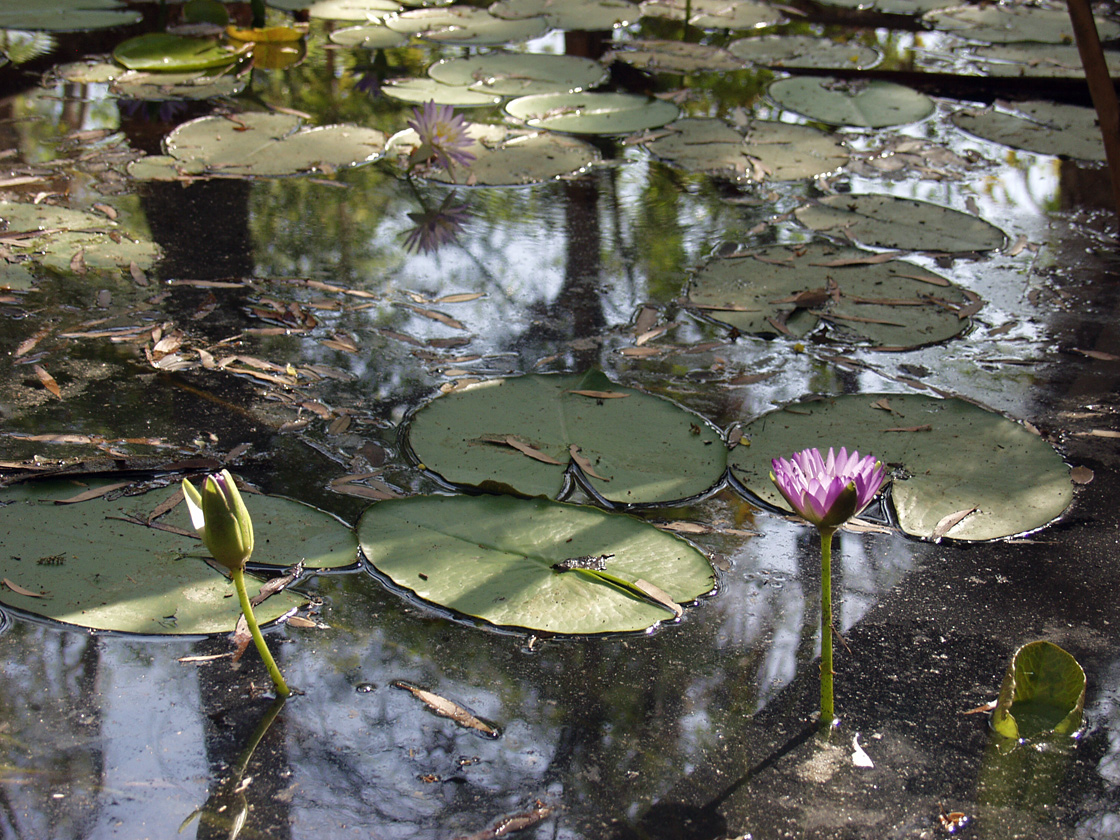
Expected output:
(532, 563)
(1043, 694)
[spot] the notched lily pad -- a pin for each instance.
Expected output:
(524, 434)
(519, 74)
(958, 470)
(802, 51)
(429, 90)
(1004, 24)
(161, 51)
(258, 144)
(504, 157)
(592, 113)
(593, 15)
(466, 25)
(533, 563)
(714, 14)
(765, 150)
(1043, 694)
(886, 221)
(793, 290)
(861, 104)
(1047, 128)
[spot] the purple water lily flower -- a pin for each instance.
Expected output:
(443, 136)
(829, 490)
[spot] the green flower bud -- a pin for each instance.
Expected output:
(220, 516)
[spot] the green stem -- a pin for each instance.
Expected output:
(239, 582)
(828, 710)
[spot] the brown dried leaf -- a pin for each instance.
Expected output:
(47, 380)
(884, 404)
(92, 493)
(339, 425)
(19, 590)
(1081, 475)
(946, 523)
(28, 344)
(641, 352)
(875, 259)
(459, 297)
(435, 315)
(925, 428)
(583, 463)
(78, 262)
(1092, 354)
(448, 709)
(372, 488)
(601, 395)
(660, 596)
(106, 209)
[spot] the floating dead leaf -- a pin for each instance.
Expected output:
(1095, 354)
(106, 209)
(459, 297)
(370, 487)
(749, 379)
(925, 428)
(874, 259)
(659, 595)
(1081, 475)
(1017, 247)
(92, 493)
(301, 621)
(522, 446)
(78, 262)
(683, 527)
(28, 344)
(583, 463)
(641, 352)
(341, 342)
(947, 523)
(205, 658)
(601, 395)
(138, 275)
(435, 315)
(277, 584)
(448, 709)
(19, 590)
(47, 380)
(510, 824)
(339, 425)
(859, 757)
(1105, 433)
(883, 404)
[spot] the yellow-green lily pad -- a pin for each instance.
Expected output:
(1043, 694)
(161, 51)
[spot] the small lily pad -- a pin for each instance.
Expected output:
(802, 51)
(429, 90)
(503, 157)
(1004, 24)
(948, 459)
(503, 560)
(714, 14)
(466, 25)
(369, 37)
(524, 434)
(594, 15)
(161, 51)
(519, 74)
(67, 15)
(91, 72)
(660, 56)
(136, 84)
(592, 113)
(355, 10)
(1043, 694)
(1047, 128)
(795, 289)
(861, 104)
(886, 221)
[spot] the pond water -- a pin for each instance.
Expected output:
(288, 332)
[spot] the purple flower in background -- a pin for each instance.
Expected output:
(435, 228)
(828, 491)
(443, 136)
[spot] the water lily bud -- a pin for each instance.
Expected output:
(220, 516)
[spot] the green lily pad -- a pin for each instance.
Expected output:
(594, 15)
(592, 113)
(1004, 24)
(1062, 61)
(766, 150)
(74, 236)
(714, 14)
(259, 144)
(503, 157)
(892, 305)
(802, 51)
(886, 221)
(429, 90)
(862, 104)
(466, 25)
(894, 7)
(1047, 128)
(660, 56)
(84, 566)
(948, 458)
(369, 37)
(359, 10)
(519, 74)
(518, 435)
(90, 72)
(161, 51)
(493, 557)
(1043, 694)
(67, 15)
(135, 84)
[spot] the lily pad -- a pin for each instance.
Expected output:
(524, 434)
(1027, 59)
(371, 37)
(356, 10)
(82, 564)
(160, 51)
(592, 113)
(503, 157)
(260, 144)
(429, 90)
(73, 238)
(1047, 128)
(886, 221)
(1043, 694)
(1004, 24)
(766, 150)
(802, 51)
(135, 84)
(714, 14)
(90, 72)
(892, 305)
(660, 56)
(67, 15)
(466, 25)
(495, 558)
(594, 15)
(894, 7)
(862, 104)
(949, 459)
(519, 74)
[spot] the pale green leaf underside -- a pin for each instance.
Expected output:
(1043, 693)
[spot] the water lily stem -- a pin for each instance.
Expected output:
(828, 710)
(282, 689)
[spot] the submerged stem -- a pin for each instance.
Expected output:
(247, 608)
(828, 711)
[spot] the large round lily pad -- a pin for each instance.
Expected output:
(137, 84)
(862, 104)
(522, 434)
(81, 563)
(793, 289)
(886, 221)
(496, 557)
(766, 150)
(661, 56)
(162, 51)
(429, 90)
(592, 113)
(1048, 128)
(66, 15)
(1005, 24)
(572, 14)
(466, 25)
(519, 74)
(503, 157)
(802, 51)
(374, 36)
(948, 458)
(714, 14)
